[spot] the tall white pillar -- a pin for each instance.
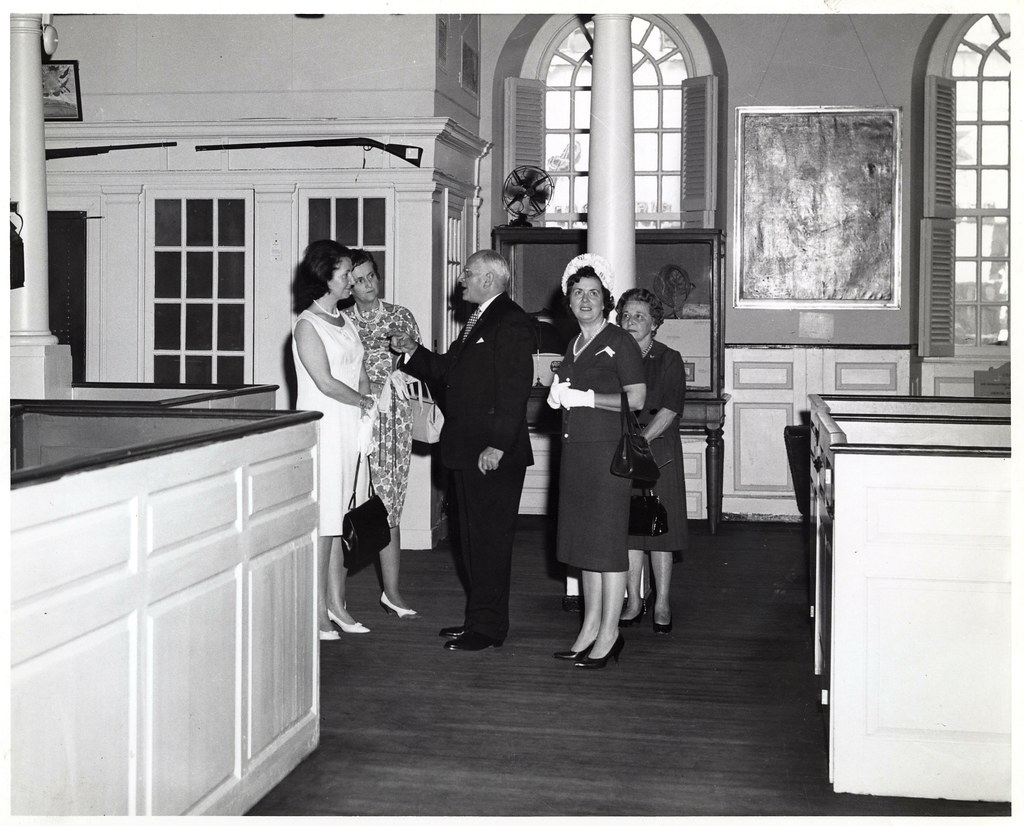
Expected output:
(40, 368)
(611, 200)
(611, 209)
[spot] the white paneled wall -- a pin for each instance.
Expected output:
(768, 388)
(950, 377)
(164, 657)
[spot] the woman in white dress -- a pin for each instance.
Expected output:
(331, 378)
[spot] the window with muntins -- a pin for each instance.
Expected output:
(354, 221)
(201, 289)
(980, 69)
(659, 69)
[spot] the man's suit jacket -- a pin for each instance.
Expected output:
(484, 385)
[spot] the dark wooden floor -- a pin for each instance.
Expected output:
(719, 718)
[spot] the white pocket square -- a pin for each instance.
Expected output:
(607, 350)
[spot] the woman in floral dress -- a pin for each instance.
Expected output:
(376, 321)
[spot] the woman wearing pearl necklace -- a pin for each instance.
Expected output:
(377, 320)
(331, 378)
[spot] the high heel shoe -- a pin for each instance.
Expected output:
(601, 662)
(663, 629)
(390, 608)
(573, 655)
(348, 628)
(625, 622)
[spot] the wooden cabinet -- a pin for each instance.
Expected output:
(913, 614)
(683, 267)
(164, 653)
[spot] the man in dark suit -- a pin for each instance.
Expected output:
(485, 379)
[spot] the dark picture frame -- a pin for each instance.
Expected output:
(817, 207)
(683, 267)
(442, 42)
(470, 69)
(62, 94)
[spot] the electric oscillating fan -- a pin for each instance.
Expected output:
(526, 193)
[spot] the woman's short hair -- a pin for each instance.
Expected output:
(657, 309)
(360, 256)
(316, 269)
(588, 272)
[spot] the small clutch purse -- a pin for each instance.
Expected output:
(647, 516)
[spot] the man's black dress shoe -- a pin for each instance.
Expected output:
(453, 631)
(472, 641)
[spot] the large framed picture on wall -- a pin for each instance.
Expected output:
(817, 208)
(683, 267)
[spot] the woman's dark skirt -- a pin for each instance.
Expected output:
(593, 508)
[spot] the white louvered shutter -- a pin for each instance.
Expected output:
(936, 332)
(524, 123)
(940, 148)
(936, 318)
(700, 151)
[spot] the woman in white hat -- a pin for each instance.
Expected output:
(600, 364)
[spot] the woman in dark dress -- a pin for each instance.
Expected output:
(601, 363)
(640, 313)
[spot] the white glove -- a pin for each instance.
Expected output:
(571, 397)
(555, 393)
(384, 400)
(365, 442)
(400, 384)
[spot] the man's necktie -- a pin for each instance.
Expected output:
(469, 324)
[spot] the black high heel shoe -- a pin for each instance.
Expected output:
(601, 662)
(663, 629)
(573, 655)
(625, 622)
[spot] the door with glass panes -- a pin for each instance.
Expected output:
(355, 220)
(199, 287)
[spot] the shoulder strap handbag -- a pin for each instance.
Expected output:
(633, 458)
(427, 419)
(364, 530)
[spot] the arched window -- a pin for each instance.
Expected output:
(674, 119)
(658, 70)
(980, 67)
(965, 248)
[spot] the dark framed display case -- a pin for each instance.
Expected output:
(683, 267)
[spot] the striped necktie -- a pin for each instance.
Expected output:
(469, 325)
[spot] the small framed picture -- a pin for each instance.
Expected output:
(442, 42)
(62, 96)
(470, 69)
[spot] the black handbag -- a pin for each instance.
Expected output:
(364, 530)
(633, 458)
(647, 516)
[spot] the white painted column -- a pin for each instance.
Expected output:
(611, 207)
(611, 221)
(419, 225)
(40, 368)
